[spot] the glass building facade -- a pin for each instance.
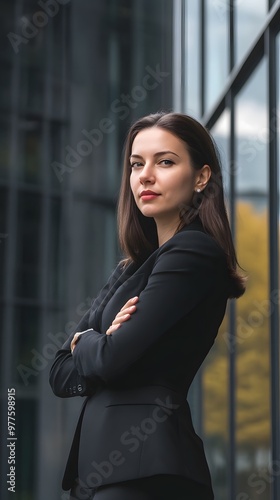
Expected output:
(74, 75)
(227, 75)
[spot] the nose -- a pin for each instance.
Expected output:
(147, 174)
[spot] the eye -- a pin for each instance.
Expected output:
(136, 164)
(166, 163)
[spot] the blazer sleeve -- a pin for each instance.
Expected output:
(65, 380)
(185, 272)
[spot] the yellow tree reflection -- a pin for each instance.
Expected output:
(251, 342)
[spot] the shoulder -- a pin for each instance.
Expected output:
(195, 241)
(192, 253)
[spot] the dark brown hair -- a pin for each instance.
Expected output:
(138, 234)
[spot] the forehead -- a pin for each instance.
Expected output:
(153, 139)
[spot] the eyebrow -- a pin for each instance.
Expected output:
(156, 154)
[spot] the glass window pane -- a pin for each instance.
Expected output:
(3, 236)
(28, 246)
(130, 44)
(30, 140)
(252, 318)
(5, 90)
(95, 240)
(4, 148)
(33, 59)
(216, 412)
(249, 17)
(216, 367)
(7, 58)
(58, 86)
(221, 133)
(31, 91)
(57, 172)
(216, 50)
(192, 63)
(57, 245)
(27, 417)
(28, 361)
(6, 28)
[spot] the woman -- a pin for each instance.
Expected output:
(136, 351)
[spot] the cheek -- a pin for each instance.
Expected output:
(185, 189)
(132, 182)
(183, 184)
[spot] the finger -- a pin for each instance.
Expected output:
(126, 310)
(120, 319)
(130, 302)
(76, 338)
(124, 314)
(112, 328)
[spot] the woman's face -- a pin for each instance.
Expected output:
(162, 179)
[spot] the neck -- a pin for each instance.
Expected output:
(166, 230)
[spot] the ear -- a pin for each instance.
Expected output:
(202, 178)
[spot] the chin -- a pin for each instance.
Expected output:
(148, 213)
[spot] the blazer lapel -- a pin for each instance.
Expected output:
(95, 319)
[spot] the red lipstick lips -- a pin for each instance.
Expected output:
(148, 195)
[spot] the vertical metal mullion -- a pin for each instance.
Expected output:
(232, 315)
(232, 307)
(177, 55)
(273, 79)
(183, 56)
(231, 35)
(202, 58)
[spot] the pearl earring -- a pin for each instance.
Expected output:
(198, 190)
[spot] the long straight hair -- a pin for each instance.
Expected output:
(138, 234)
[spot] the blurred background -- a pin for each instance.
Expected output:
(74, 75)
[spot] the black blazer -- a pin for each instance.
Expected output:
(136, 420)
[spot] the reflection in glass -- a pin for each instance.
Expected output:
(27, 417)
(249, 17)
(30, 139)
(215, 373)
(3, 236)
(56, 262)
(220, 132)
(4, 149)
(28, 362)
(32, 60)
(31, 90)
(28, 245)
(192, 63)
(58, 174)
(5, 90)
(57, 64)
(6, 26)
(252, 315)
(95, 241)
(216, 50)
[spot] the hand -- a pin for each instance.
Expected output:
(76, 339)
(124, 314)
